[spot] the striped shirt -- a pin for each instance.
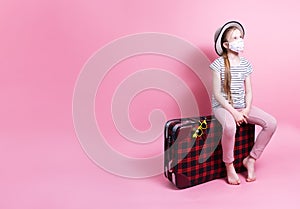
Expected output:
(238, 76)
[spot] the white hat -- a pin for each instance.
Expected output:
(220, 31)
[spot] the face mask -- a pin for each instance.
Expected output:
(237, 45)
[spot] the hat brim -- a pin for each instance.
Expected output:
(218, 37)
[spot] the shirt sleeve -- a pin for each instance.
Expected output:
(249, 69)
(216, 65)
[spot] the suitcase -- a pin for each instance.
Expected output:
(193, 152)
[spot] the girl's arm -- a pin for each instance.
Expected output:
(238, 116)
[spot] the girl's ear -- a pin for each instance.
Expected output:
(226, 45)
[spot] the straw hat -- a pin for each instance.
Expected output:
(220, 31)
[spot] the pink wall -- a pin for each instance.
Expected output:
(44, 45)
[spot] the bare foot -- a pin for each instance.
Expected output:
(232, 176)
(249, 163)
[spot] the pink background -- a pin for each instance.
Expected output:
(45, 44)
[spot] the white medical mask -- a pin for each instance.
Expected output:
(237, 45)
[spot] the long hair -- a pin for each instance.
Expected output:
(227, 79)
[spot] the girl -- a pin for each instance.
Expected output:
(232, 99)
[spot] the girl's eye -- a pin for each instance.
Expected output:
(237, 37)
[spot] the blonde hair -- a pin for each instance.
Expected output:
(227, 79)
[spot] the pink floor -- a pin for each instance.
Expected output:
(52, 171)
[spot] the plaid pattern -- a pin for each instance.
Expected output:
(189, 161)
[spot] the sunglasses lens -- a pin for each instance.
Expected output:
(203, 125)
(199, 132)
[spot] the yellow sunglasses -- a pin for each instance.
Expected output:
(201, 127)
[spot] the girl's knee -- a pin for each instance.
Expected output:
(272, 124)
(229, 129)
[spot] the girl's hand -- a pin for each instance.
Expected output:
(239, 117)
(245, 112)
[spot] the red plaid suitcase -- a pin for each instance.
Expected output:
(193, 152)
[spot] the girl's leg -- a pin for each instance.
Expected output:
(228, 136)
(228, 139)
(268, 124)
